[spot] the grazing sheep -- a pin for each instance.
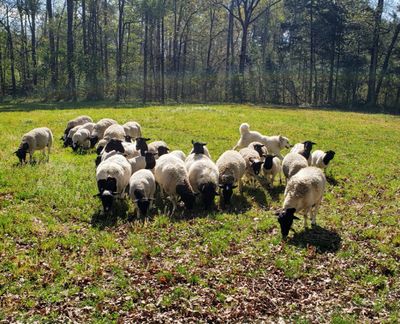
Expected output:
(159, 148)
(100, 146)
(75, 122)
(321, 159)
(81, 139)
(304, 149)
(273, 144)
(179, 154)
(203, 177)
(253, 162)
(146, 161)
(293, 163)
(132, 131)
(112, 178)
(142, 186)
(114, 131)
(124, 148)
(99, 129)
(68, 138)
(141, 144)
(36, 139)
(260, 148)
(231, 167)
(304, 192)
(200, 148)
(171, 175)
(271, 167)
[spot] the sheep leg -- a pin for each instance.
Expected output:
(314, 213)
(48, 153)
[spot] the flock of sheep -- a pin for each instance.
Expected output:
(127, 165)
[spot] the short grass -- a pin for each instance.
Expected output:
(61, 261)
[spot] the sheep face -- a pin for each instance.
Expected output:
(162, 150)
(284, 142)
(99, 149)
(329, 155)
(256, 165)
(21, 152)
(208, 194)
(98, 160)
(198, 147)
(93, 141)
(141, 144)
(67, 141)
(187, 195)
(107, 188)
(128, 139)
(107, 199)
(268, 162)
(114, 145)
(75, 147)
(227, 192)
(258, 148)
(150, 160)
(143, 206)
(285, 219)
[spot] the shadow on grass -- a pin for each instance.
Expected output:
(259, 196)
(276, 191)
(119, 211)
(331, 180)
(322, 239)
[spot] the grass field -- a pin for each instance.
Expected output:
(60, 260)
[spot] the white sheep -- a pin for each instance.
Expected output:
(293, 163)
(159, 148)
(146, 161)
(200, 148)
(68, 139)
(259, 147)
(36, 139)
(115, 146)
(203, 177)
(142, 186)
(321, 159)
(81, 139)
(231, 167)
(304, 192)
(132, 130)
(170, 173)
(273, 144)
(80, 120)
(272, 166)
(99, 129)
(114, 131)
(253, 162)
(303, 149)
(112, 178)
(179, 154)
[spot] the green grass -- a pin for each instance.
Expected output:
(60, 261)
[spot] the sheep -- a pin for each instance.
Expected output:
(124, 148)
(141, 144)
(75, 122)
(179, 154)
(271, 167)
(253, 162)
(142, 186)
(273, 144)
(200, 148)
(260, 148)
(198, 152)
(231, 167)
(68, 139)
(203, 177)
(293, 163)
(321, 159)
(304, 192)
(114, 131)
(100, 146)
(112, 178)
(36, 139)
(304, 149)
(81, 139)
(99, 129)
(146, 161)
(158, 148)
(132, 130)
(170, 173)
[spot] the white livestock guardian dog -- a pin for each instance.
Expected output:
(274, 144)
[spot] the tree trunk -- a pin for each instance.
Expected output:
(84, 29)
(33, 9)
(310, 80)
(145, 49)
(105, 22)
(70, 51)
(162, 61)
(121, 6)
(371, 95)
(53, 81)
(229, 53)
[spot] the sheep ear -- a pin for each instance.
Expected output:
(216, 193)
(233, 187)
(221, 185)
(295, 217)
(251, 160)
(15, 152)
(192, 141)
(313, 143)
(278, 213)
(96, 195)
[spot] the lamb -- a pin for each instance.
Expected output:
(146, 161)
(171, 175)
(321, 159)
(114, 131)
(273, 144)
(81, 139)
(36, 139)
(203, 177)
(142, 186)
(200, 148)
(253, 162)
(198, 152)
(99, 129)
(158, 148)
(132, 131)
(271, 167)
(141, 144)
(304, 149)
(304, 192)
(260, 148)
(68, 139)
(231, 167)
(293, 163)
(75, 122)
(112, 178)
